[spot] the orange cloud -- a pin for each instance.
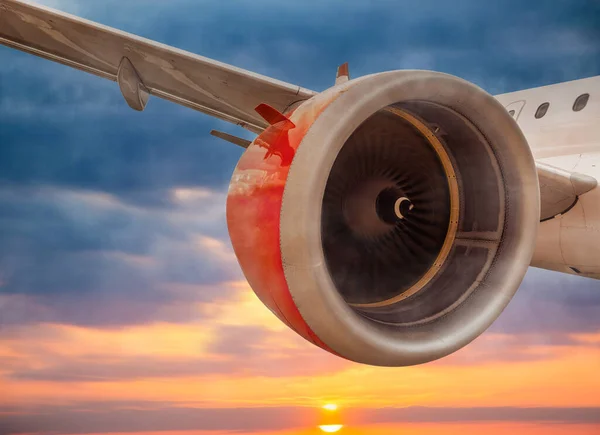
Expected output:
(240, 354)
(593, 339)
(522, 383)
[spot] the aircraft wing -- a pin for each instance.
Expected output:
(143, 67)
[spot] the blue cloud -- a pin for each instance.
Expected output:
(85, 135)
(87, 258)
(65, 130)
(551, 304)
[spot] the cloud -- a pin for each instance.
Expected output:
(90, 258)
(73, 421)
(550, 304)
(229, 337)
(551, 313)
(534, 414)
(206, 350)
(87, 137)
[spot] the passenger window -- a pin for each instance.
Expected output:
(581, 102)
(541, 111)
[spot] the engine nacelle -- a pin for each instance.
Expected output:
(391, 219)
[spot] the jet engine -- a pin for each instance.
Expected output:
(389, 219)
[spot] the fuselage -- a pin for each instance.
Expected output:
(562, 125)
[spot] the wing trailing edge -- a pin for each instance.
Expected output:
(143, 67)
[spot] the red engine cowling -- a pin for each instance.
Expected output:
(390, 219)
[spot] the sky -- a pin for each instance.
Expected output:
(122, 307)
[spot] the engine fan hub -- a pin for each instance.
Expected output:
(392, 207)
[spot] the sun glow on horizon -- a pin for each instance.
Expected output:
(331, 428)
(328, 426)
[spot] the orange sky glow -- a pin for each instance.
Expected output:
(145, 365)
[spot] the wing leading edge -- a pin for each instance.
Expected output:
(143, 67)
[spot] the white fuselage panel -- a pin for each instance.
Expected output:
(567, 139)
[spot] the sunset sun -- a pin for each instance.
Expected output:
(330, 419)
(331, 428)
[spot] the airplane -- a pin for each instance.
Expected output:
(388, 219)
